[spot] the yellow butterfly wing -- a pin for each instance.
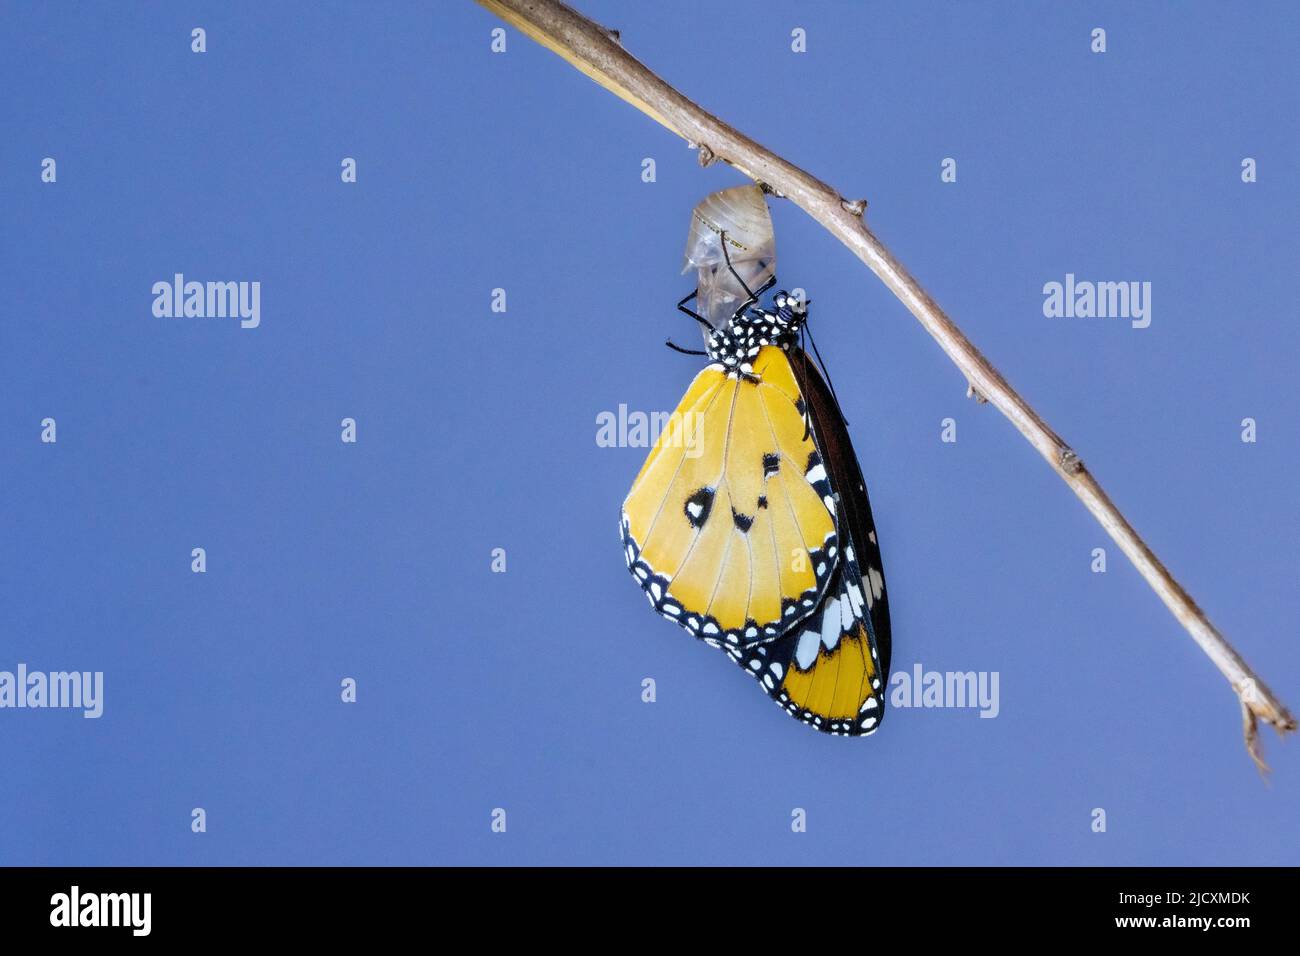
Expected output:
(825, 671)
(730, 526)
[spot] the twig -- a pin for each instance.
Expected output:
(598, 53)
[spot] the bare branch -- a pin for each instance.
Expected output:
(598, 53)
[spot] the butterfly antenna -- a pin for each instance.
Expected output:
(829, 384)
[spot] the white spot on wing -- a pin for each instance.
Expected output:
(855, 598)
(831, 623)
(876, 581)
(806, 651)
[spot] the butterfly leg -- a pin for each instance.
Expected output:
(681, 307)
(677, 348)
(753, 296)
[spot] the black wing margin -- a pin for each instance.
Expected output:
(832, 437)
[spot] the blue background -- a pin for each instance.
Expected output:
(477, 430)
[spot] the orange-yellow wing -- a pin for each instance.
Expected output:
(825, 671)
(729, 528)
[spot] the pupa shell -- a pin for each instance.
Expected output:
(741, 214)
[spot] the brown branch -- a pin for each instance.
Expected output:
(598, 53)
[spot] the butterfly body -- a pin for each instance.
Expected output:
(734, 347)
(757, 545)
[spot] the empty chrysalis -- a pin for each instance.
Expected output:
(741, 214)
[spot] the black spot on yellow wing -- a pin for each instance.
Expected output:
(698, 507)
(742, 522)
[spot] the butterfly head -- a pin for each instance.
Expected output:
(791, 311)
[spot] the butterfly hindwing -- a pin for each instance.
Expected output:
(825, 672)
(831, 670)
(730, 526)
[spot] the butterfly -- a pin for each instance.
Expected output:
(757, 536)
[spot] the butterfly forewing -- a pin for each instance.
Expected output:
(730, 527)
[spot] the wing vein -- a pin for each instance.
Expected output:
(668, 487)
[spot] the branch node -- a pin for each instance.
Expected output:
(707, 157)
(975, 393)
(614, 35)
(1070, 461)
(1250, 733)
(854, 207)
